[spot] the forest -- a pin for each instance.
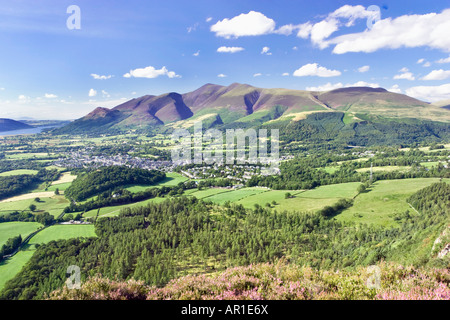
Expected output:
(14, 185)
(108, 178)
(163, 241)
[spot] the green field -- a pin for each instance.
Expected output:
(386, 198)
(267, 197)
(200, 194)
(431, 164)
(59, 186)
(234, 195)
(302, 201)
(60, 232)
(13, 229)
(12, 266)
(330, 170)
(342, 190)
(26, 155)
(115, 210)
(17, 172)
(172, 179)
(385, 168)
(53, 205)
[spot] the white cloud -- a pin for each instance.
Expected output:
(295, 48)
(430, 93)
(313, 69)
(285, 74)
(221, 75)
(395, 88)
(287, 29)
(326, 87)
(424, 62)
(246, 24)
(257, 74)
(304, 30)
(437, 75)
(208, 19)
(409, 31)
(50, 96)
(92, 93)
(405, 74)
(150, 72)
(364, 69)
(105, 94)
(192, 28)
(23, 97)
(444, 60)
(100, 77)
(404, 69)
(1, 89)
(196, 54)
(320, 31)
(330, 86)
(323, 30)
(265, 50)
(230, 49)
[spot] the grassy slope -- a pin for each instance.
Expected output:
(12, 266)
(58, 232)
(53, 205)
(13, 229)
(17, 172)
(385, 198)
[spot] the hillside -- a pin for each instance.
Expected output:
(9, 125)
(242, 103)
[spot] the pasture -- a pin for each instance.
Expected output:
(61, 232)
(383, 200)
(13, 229)
(53, 205)
(18, 172)
(115, 210)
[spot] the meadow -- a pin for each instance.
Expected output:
(172, 179)
(53, 205)
(10, 267)
(383, 200)
(115, 210)
(60, 232)
(13, 229)
(17, 172)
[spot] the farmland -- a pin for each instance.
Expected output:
(12, 229)
(336, 178)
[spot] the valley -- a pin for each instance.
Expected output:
(348, 192)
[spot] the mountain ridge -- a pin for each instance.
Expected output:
(243, 103)
(10, 124)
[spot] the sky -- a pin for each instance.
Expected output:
(62, 59)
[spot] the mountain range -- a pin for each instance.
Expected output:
(242, 103)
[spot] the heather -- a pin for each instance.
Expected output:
(276, 281)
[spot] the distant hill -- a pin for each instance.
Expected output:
(242, 103)
(445, 104)
(9, 125)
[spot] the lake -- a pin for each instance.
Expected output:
(25, 131)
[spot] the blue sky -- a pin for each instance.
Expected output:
(126, 49)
